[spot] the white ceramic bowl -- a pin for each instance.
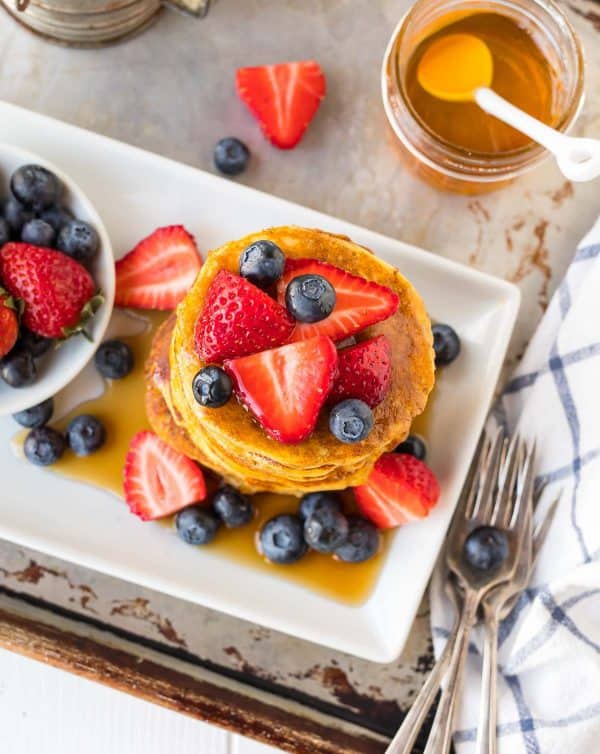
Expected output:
(60, 366)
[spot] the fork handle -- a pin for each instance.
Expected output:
(487, 742)
(440, 738)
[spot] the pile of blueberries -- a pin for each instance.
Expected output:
(34, 213)
(85, 433)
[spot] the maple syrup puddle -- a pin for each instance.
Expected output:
(121, 409)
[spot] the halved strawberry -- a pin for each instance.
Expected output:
(359, 303)
(57, 292)
(158, 480)
(286, 387)
(9, 323)
(284, 98)
(400, 489)
(159, 271)
(239, 319)
(364, 372)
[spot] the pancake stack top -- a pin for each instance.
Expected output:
(239, 446)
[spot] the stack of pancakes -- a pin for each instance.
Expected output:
(229, 441)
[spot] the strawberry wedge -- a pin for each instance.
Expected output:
(400, 489)
(159, 271)
(284, 98)
(159, 480)
(359, 303)
(285, 388)
(364, 372)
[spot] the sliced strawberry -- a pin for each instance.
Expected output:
(9, 324)
(239, 319)
(400, 489)
(364, 372)
(57, 292)
(158, 480)
(359, 303)
(159, 271)
(285, 387)
(284, 98)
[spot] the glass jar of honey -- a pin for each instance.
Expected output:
(537, 65)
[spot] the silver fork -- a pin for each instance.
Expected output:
(486, 497)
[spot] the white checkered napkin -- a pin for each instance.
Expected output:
(549, 658)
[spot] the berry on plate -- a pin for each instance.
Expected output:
(239, 319)
(35, 416)
(446, 344)
(285, 388)
(231, 156)
(364, 372)
(56, 216)
(18, 369)
(38, 232)
(400, 489)
(159, 271)
(281, 540)
(114, 359)
(44, 446)
(16, 215)
(351, 421)
(197, 525)
(317, 501)
(262, 263)
(359, 303)
(85, 434)
(212, 387)
(9, 323)
(36, 344)
(326, 530)
(57, 291)
(284, 98)
(362, 541)
(233, 508)
(79, 240)
(35, 187)
(309, 298)
(413, 446)
(158, 480)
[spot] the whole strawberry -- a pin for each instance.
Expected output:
(57, 292)
(9, 323)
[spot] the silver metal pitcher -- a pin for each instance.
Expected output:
(94, 22)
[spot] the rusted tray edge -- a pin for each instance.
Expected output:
(199, 693)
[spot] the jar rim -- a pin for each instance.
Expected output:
(464, 164)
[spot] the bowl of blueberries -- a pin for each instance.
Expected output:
(57, 280)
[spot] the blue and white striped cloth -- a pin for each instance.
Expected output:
(549, 655)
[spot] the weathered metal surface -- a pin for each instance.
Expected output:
(172, 91)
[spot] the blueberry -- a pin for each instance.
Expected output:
(262, 263)
(16, 215)
(231, 156)
(196, 525)
(56, 216)
(4, 232)
(318, 501)
(233, 508)
(38, 233)
(44, 446)
(326, 530)
(281, 539)
(351, 420)
(35, 187)
(85, 434)
(114, 359)
(413, 446)
(18, 369)
(37, 345)
(79, 240)
(212, 387)
(446, 344)
(363, 541)
(486, 548)
(36, 416)
(310, 298)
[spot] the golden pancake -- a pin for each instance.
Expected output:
(232, 443)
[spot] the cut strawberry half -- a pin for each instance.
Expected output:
(9, 323)
(359, 303)
(364, 372)
(286, 387)
(159, 480)
(239, 319)
(159, 271)
(400, 489)
(284, 98)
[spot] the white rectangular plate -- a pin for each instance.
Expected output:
(134, 192)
